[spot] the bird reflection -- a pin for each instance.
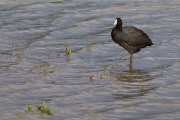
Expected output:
(131, 75)
(132, 82)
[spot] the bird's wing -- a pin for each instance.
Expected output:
(135, 37)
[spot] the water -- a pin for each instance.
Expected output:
(94, 81)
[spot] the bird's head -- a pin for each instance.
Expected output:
(118, 22)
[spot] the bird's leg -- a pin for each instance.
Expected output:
(131, 63)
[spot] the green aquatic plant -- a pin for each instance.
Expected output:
(45, 72)
(101, 77)
(30, 108)
(90, 43)
(44, 64)
(68, 51)
(89, 46)
(44, 109)
(50, 112)
(51, 71)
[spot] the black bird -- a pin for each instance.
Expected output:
(130, 38)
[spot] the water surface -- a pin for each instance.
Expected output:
(94, 82)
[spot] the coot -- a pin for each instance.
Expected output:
(129, 37)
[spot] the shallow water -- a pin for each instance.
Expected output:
(94, 82)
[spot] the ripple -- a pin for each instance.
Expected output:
(95, 81)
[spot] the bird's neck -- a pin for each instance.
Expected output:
(119, 27)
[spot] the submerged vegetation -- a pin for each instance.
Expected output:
(68, 50)
(30, 108)
(101, 77)
(90, 43)
(45, 68)
(44, 64)
(45, 72)
(42, 108)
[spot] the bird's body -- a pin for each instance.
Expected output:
(129, 37)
